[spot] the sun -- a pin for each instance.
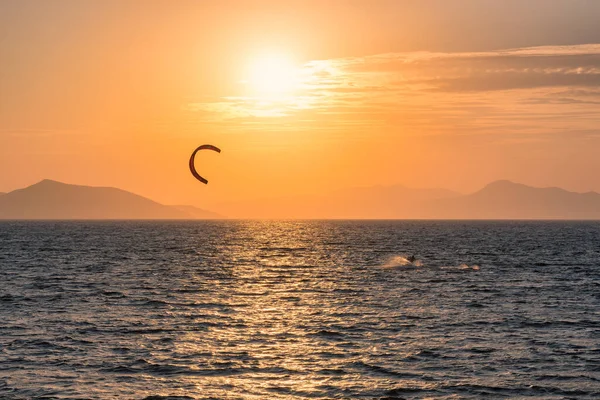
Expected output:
(272, 75)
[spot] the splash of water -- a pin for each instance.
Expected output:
(401, 261)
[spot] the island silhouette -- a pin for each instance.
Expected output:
(50, 199)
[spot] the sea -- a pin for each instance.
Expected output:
(299, 310)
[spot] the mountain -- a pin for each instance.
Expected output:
(198, 213)
(497, 200)
(508, 200)
(55, 200)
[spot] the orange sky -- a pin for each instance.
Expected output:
(423, 93)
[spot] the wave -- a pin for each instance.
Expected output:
(463, 267)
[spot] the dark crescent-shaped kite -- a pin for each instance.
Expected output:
(193, 168)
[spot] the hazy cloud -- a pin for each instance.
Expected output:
(425, 93)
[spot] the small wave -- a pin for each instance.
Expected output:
(9, 298)
(119, 369)
(143, 366)
(377, 369)
(393, 393)
(529, 390)
(474, 304)
(329, 334)
(481, 350)
(331, 371)
(145, 331)
(32, 343)
(111, 293)
(462, 267)
(154, 303)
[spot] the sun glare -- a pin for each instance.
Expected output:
(272, 75)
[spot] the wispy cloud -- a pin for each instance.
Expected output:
(516, 90)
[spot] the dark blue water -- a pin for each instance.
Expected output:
(291, 310)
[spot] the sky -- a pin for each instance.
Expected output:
(303, 97)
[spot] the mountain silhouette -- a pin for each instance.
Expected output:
(508, 200)
(198, 213)
(50, 199)
(498, 200)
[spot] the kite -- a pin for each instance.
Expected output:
(193, 168)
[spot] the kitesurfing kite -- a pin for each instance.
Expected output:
(193, 168)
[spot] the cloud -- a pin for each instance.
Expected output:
(581, 93)
(484, 71)
(508, 80)
(559, 100)
(517, 91)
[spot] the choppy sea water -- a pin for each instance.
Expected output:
(299, 310)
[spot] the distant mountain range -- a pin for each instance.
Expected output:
(508, 200)
(55, 200)
(499, 200)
